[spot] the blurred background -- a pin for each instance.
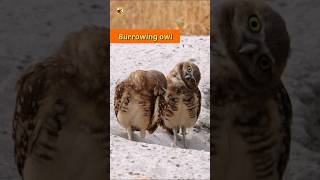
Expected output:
(192, 17)
(302, 80)
(30, 31)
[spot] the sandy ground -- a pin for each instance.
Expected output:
(150, 161)
(126, 58)
(30, 31)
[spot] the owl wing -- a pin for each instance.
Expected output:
(39, 108)
(119, 90)
(285, 108)
(31, 89)
(157, 113)
(198, 94)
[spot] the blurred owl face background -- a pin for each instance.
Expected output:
(256, 40)
(249, 52)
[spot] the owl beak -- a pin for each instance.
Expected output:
(188, 76)
(247, 48)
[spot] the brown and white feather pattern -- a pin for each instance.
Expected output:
(135, 100)
(183, 97)
(60, 117)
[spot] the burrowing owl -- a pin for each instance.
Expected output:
(251, 108)
(182, 100)
(135, 98)
(60, 120)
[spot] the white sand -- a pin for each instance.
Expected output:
(133, 160)
(126, 58)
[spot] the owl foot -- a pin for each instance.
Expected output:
(142, 134)
(130, 133)
(184, 137)
(174, 143)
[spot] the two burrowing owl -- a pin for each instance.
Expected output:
(251, 108)
(60, 120)
(182, 99)
(135, 99)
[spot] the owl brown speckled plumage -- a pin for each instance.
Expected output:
(135, 99)
(182, 100)
(60, 119)
(251, 108)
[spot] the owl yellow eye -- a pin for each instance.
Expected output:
(254, 24)
(189, 69)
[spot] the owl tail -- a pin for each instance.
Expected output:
(155, 117)
(152, 128)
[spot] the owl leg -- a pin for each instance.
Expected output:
(183, 129)
(142, 133)
(174, 143)
(130, 133)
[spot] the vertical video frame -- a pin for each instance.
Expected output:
(160, 89)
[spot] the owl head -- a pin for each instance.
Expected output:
(159, 82)
(153, 82)
(189, 73)
(254, 37)
(88, 49)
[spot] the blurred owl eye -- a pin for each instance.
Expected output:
(254, 24)
(264, 63)
(189, 69)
